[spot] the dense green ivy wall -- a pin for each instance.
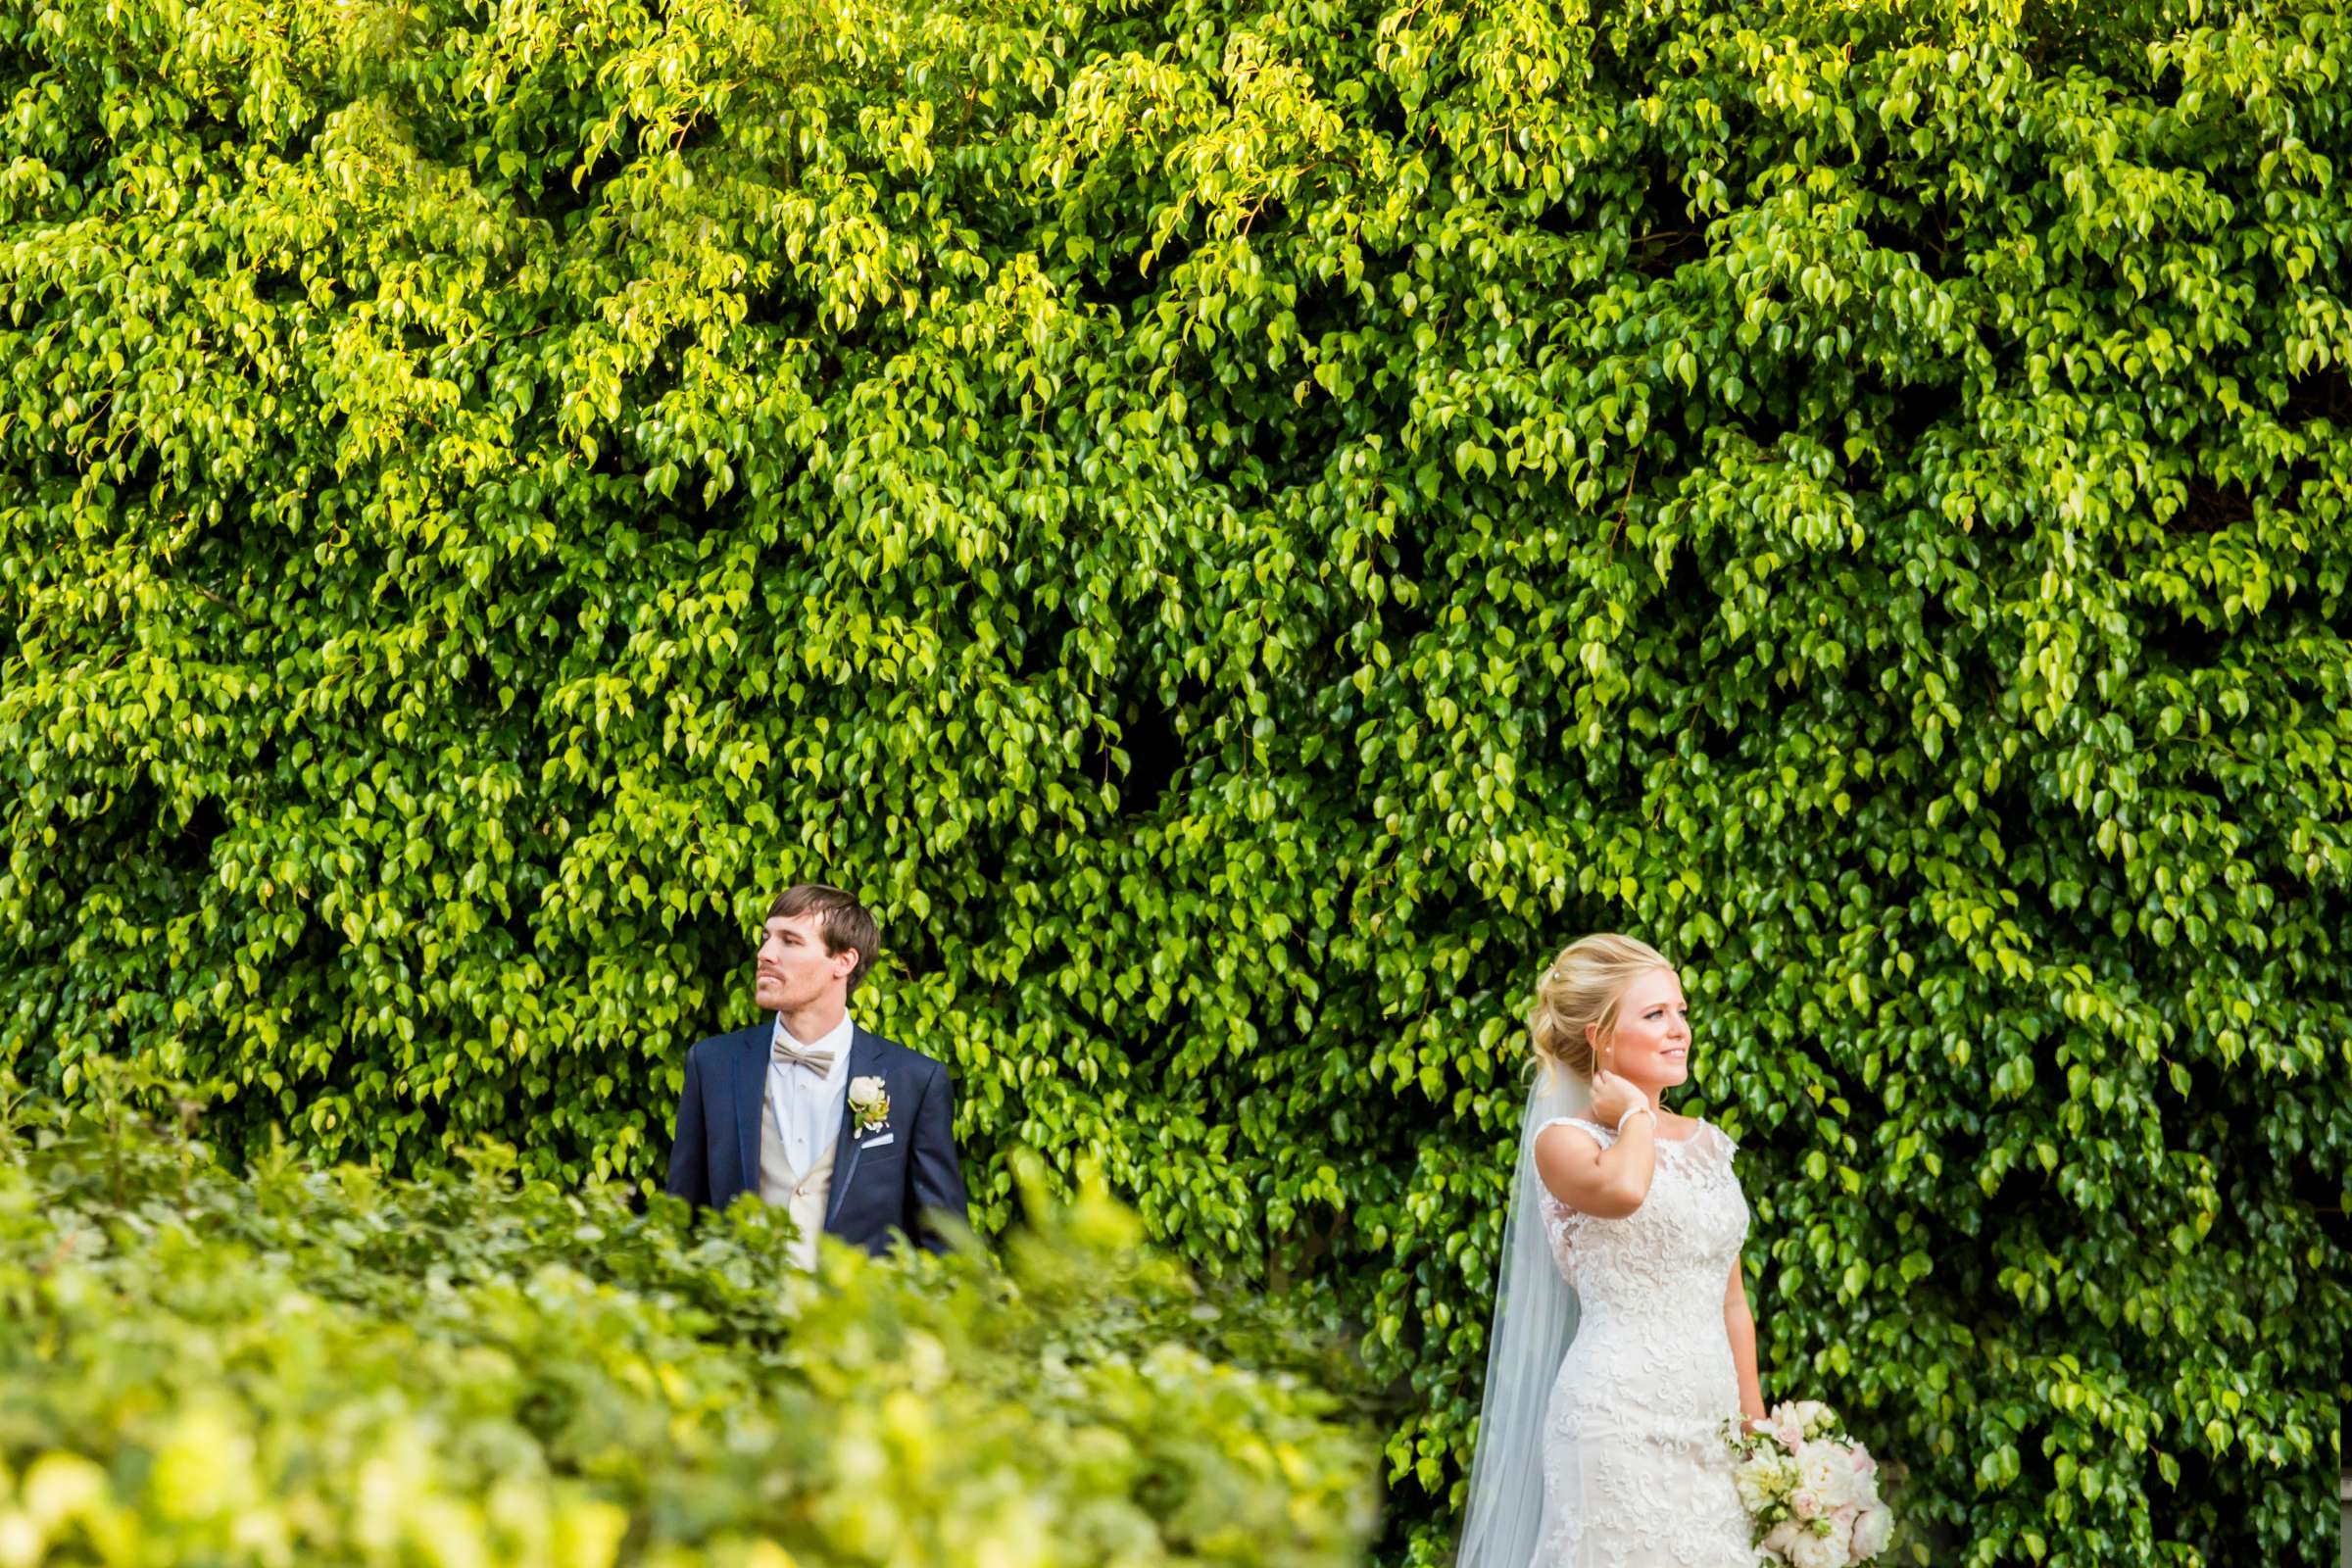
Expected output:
(1240, 528)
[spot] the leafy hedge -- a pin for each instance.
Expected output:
(320, 1366)
(1242, 528)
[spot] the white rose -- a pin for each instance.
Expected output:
(866, 1093)
(1824, 1470)
(1783, 1539)
(1873, 1531)
(1820, 1549)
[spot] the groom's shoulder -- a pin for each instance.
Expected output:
(716, 1044)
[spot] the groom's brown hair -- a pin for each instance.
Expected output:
(844, 921)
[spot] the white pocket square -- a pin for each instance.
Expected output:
(877, 1143)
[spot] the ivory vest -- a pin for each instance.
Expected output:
(804, 1196)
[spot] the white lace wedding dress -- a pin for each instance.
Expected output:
(1635, 1474)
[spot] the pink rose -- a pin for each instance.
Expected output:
(1807, 1505)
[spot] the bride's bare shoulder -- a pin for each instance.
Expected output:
(1569, 1164)
(1570, 1137)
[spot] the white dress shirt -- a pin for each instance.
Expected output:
(809, 1106)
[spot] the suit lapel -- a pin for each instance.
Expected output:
(750, 1095)
(866, 1061)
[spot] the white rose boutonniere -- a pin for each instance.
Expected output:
(869, 1106)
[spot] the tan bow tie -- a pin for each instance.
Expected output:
(792, 1055)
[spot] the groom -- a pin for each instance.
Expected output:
(849, 1132)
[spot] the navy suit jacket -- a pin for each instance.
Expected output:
(884, 1183)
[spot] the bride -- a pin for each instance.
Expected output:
(1622, 1339)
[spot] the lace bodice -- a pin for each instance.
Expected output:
(1636, 1471)
(1674, 1254)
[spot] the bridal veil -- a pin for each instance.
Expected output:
(1535, 1319)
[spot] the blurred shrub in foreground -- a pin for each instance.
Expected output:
(321, 1365)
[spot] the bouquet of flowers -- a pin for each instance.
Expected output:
(1811, 1490)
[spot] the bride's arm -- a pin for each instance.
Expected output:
(1741, 1324)
(1609, 1183)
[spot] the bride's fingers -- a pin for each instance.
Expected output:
(1608, 1089)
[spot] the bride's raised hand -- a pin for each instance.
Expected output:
(1613, 1098)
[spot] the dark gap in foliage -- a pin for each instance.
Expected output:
(1381, 110)
(1117, 276)
(201, 830)
(782, 304)
(2320, 394)
(1663, 252)
(1171, 257)
(1038, 638)
(2323, 1198)
(1149, 1049)
(1912, 411)
(911, 950)
(2182, 643)
(2212, 506)
(2024, 1193)
(542, 189)
(841, 357)
(671, 521)
(543, 192)
(1125, 291)
(1772, 406)
(1904, 227)
(1399, 622)
(1149, 735)
(278, 287)
(1653, 251)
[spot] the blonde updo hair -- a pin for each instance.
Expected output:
(1578, 997)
